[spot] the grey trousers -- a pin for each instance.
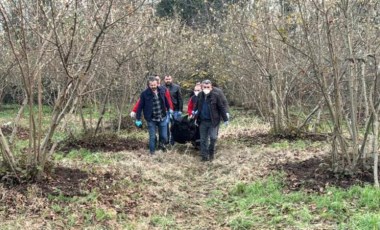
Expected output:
(209, 135)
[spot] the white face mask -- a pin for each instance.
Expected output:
(206, 91)
(196, 93)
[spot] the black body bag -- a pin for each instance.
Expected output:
(184, 130)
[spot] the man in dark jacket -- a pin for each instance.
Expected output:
(155, 107)
(210, 110)
(176, 97)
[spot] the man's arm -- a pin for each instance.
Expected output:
(136, 106)
(190, 106)
(168, 97)
(221, 107)
(133, 113)
(179, 98)
(224, 101)
(222, 97)
(140, 106)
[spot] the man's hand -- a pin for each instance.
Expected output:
(226, 123)
(193, 113)
(177, 115)
(228, 115)
(171, 114)
(138, 123)
(132, 114)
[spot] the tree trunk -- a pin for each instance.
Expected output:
(7, 153)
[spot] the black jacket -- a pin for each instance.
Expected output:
(223, 97)
(176, 96)
(217, 109)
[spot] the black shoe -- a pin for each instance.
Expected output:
(163, 148)
(204, 159)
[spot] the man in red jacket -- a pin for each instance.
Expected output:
(191, 105)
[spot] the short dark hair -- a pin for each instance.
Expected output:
(150, 79)
(206, 82)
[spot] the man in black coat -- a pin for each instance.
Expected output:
(210, 111)
(176, 97)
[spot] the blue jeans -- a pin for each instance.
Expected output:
(209, 135)
(162, 133)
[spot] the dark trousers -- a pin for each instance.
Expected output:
(209, 135)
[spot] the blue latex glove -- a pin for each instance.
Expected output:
(177, 115)
(228, 115)
(226, 123)
(194, 112)
(138, 123)
(170, 114)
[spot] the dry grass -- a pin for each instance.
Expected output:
(174, 187)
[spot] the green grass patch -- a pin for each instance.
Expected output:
(84, 155)
(164, 222)
(8, 111)
(263, 204)
(363, 221)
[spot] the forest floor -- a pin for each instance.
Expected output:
(112, 183)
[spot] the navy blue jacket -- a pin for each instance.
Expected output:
(146, 103)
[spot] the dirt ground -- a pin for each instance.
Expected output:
(173, 183)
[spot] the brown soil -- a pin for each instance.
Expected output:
(314, 175)
(22, 133)
(69, 183)
(127, 123)
(251, 139)
(104, 142)
(311, 174)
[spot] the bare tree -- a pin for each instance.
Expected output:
(71, 39)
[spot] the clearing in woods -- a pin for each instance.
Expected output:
(111, 182)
